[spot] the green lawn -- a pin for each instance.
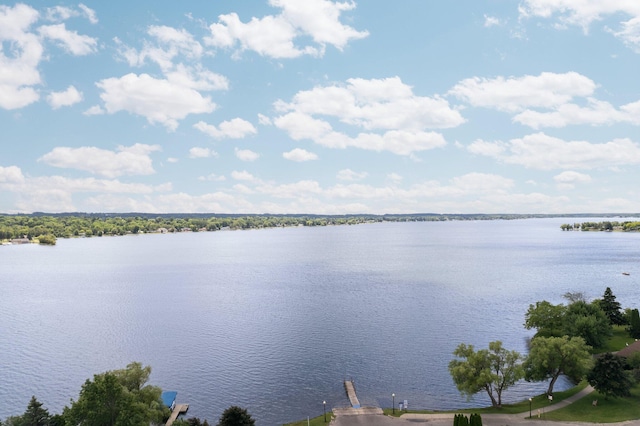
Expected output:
(538, 402)
(316, 421)
(618, 340)
(607, 411)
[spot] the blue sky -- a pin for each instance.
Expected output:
(318, 106)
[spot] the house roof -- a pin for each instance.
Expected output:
(629, 350)
(169, 397)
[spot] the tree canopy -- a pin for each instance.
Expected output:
(609, 376)
(611, 308)
(578, 319)
(492, 370)
(117, 398)
(550, 357)
(236, 416)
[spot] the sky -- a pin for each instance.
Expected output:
(320, 106)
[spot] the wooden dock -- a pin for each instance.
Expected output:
(351, 393)
(177, 410)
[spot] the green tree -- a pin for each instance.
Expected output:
(117, 398)
(549, 357)
(634, 323)
(587, 320)
(609, 377)
(492, 370)
(546, 318)
(236, 416)
(34, 415)
(611, 308)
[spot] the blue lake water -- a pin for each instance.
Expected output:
(274, 320)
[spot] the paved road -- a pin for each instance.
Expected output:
(349, 417)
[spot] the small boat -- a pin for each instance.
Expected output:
(626, 273)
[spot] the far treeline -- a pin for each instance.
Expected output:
(46, 228)
(626, 226)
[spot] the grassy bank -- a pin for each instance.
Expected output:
(606, 411)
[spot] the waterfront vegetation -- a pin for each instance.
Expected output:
(46, 228)
(608, 226)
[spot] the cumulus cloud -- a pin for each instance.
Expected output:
(19, 67)
(68, 97)
(212, 178)
(491, 21)
(197, 152)
(158, 100)
(299, 155)
(132, 160)
(246, 154)
(165, 45)
(89, 13)
(392, 117)
(11, 174)
(236, 128)
(543, 152)
(584, 13)
(569, 179)
(71, 41)
(242, 175)
(350, 175)
(276, 35)
(514, 94)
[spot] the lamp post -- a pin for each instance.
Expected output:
(324, 408)
(530, 399)
(393, 404)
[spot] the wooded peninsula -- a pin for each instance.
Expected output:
(45, 228)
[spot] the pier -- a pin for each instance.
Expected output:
(177, 410)
(351, 393)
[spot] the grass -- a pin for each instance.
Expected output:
(316, 421)
(617, 341)
(537, 402)
(607, 411)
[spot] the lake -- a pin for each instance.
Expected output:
(274, 320)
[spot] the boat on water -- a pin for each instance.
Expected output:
(626, 273)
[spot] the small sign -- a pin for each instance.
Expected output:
(406, 405)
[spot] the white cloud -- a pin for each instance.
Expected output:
(578, 12)
(89, 13)
(299, 155)
(630, 33)
(568, 179)
(173, 160)
(584, 12)
(243, 175)
(11, 174)
(69, 97)
(539, 151)
(350, 175)
(158, 100)
(19, 69)
(71, 41)
(246, 154)
(197, 152)
(394, 117)
(236, 128)
(394, 178)
(94, 110)
(491, 21)
(132, 160)
(213, 178)
(514, 94)
(275, 36)
(167, 44)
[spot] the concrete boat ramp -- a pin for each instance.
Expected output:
(356, 408)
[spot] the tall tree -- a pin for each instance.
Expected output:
(550, 357)
(634, 323)
(236, 416)
(587, 320)
(611, 308)
(609, 376)
(546, 318)
(35, 415)
(492, 370)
